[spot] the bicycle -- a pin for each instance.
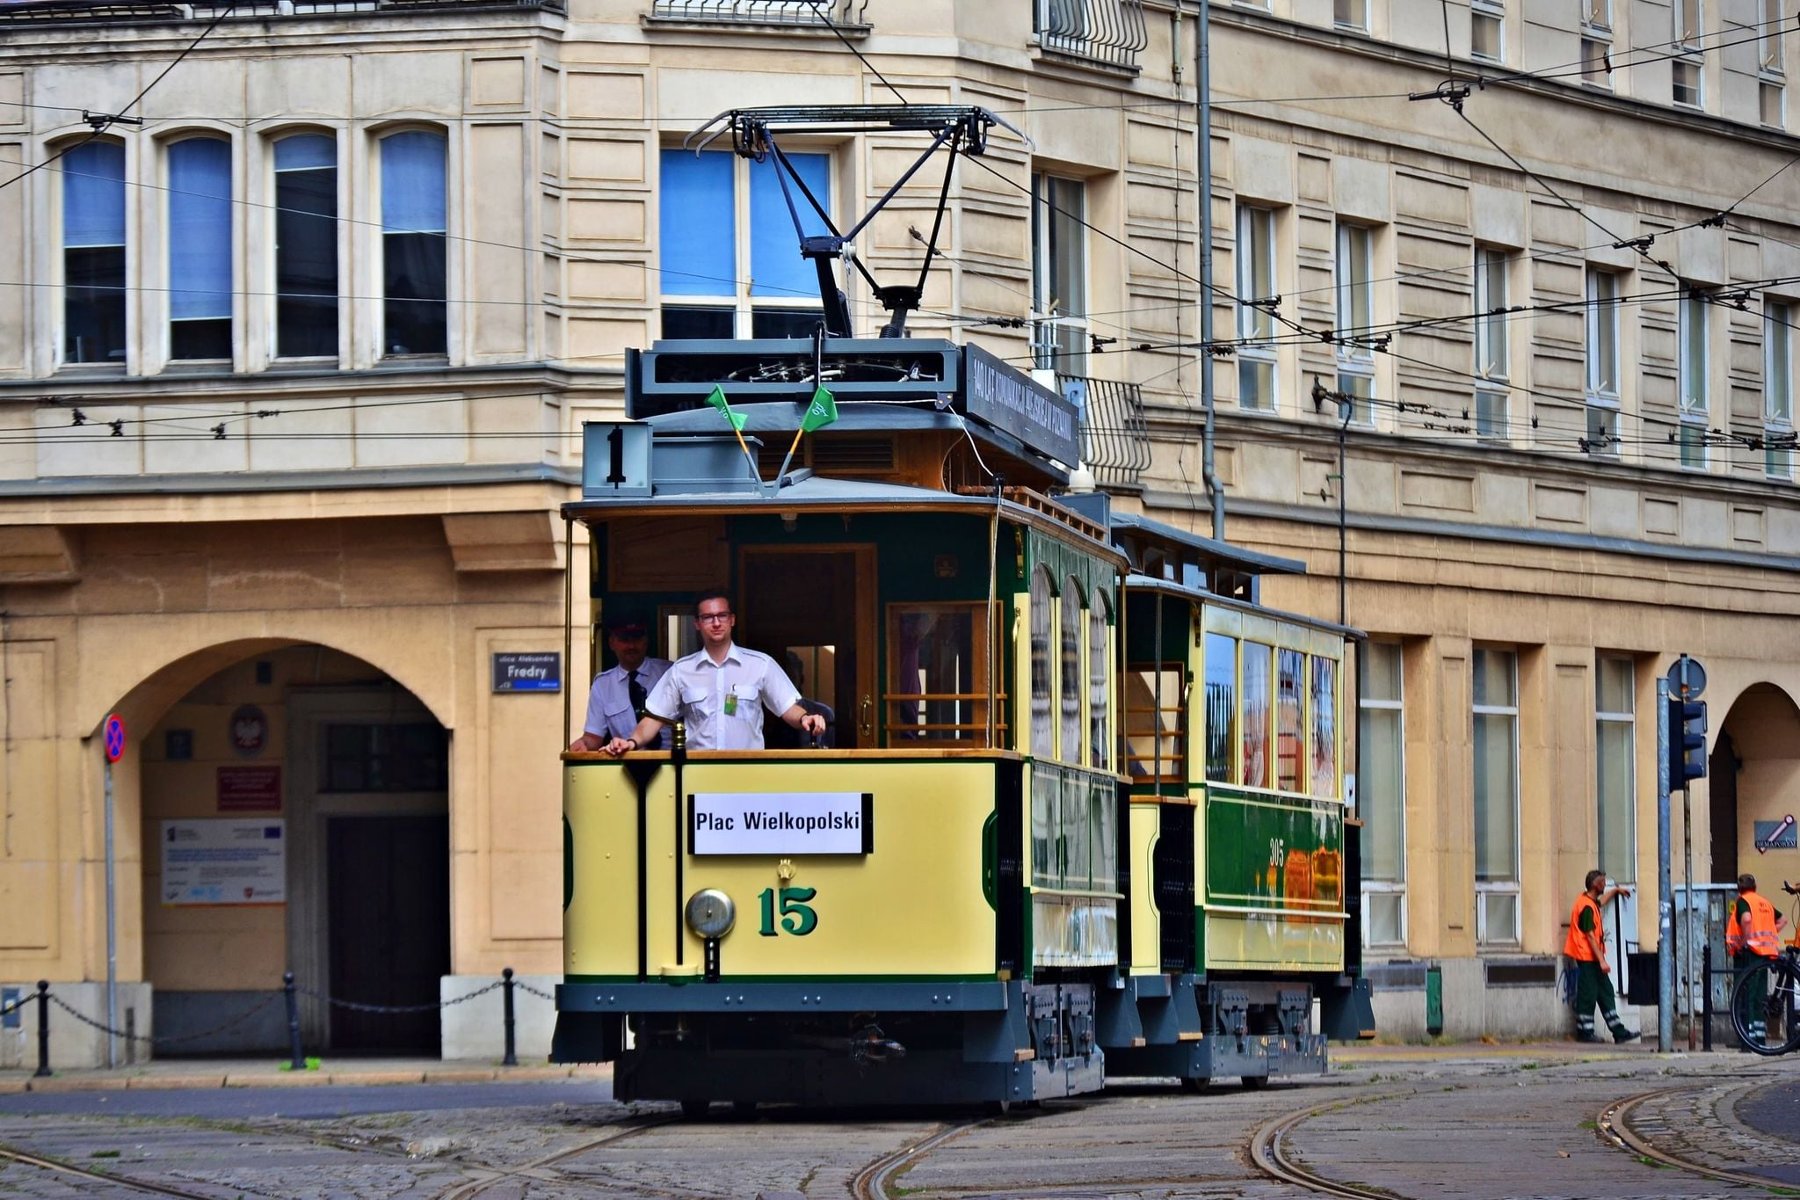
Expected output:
(1765, 1000)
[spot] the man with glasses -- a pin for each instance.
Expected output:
(620, 692)
(719, 691)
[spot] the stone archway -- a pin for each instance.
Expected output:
(1754, 784)
(320, 752)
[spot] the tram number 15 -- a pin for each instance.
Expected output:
(797, 916)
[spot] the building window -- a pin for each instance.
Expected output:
(386, 758)
(1496, 751)
(306, 247)
(730, 256)
(1778, 389)
(93, 238)
(1492, 360)
(1381, 795)
(1615, 748)
(1694, 367)
(1596, 43)
(1059, 273)
(1351, 14)
(1602, 349)
(1487, 26)
(1256, 296)
(414, 244)
(1356, 319)
(1687, 78)
(200, 248)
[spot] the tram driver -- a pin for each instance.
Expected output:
(719, 691)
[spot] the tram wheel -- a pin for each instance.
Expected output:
(695, 1110)
(1195, 1083)
(1255, 1083)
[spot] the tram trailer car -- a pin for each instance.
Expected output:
(1081, 814)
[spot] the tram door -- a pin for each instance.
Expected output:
(812, 609)
(390, 877)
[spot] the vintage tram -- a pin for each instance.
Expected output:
(1081, 813)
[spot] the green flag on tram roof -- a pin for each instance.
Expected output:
(820, 413)
(717, 400)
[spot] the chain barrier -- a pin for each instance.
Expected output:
(172, 1039)
(290, 991)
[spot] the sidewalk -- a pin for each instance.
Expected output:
(270, 1072)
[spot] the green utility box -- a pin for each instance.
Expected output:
(1434, 1000)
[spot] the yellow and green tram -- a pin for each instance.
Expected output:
(1082, 811)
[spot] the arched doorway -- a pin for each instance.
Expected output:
(318, 753)
(1753, 788)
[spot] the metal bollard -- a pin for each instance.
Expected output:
(1706, 1009)
(293, 1011)
(506, 999)
(43, 1029)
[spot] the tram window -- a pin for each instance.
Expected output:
(1043, 734)
(1255, 685)
(1154, 746)
(1324, 727)
(1221, 706)
(937, 674)
(1070, 693)
(1099, 744)
(1290, 681)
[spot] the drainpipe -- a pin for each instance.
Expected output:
(1203, 103)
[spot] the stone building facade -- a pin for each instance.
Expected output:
(303, 303)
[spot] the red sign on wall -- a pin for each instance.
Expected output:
(249, 789)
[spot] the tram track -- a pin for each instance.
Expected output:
(1268, 1151)
(871, 1183)
(57, 1166)
(1613, 1126)
(543, 1170)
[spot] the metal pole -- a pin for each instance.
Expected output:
(1665, 894)
(1706, 996)
(297, 1057)
(506, 998)
(1215, 491)
(112, 931)
(43, 999)
(1688, 933)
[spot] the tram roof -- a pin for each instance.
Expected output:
(1211, 550)
(1138, 582)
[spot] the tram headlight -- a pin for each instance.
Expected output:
(710, 913)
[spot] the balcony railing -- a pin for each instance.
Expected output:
(79, 12)
(1115, 437)
(817, 14)
(1102, 31)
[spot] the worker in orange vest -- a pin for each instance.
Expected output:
(1750, 936)
(1586, 945)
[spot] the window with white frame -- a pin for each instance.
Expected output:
(1615, 766)
(1351, 14)
(1356, 319)
(1496, 792)
(1059, 332)
(1256, 297)
(1687, 79)
(1487, 29)
(1602, 353)
(306, 246)
(1596, 43)
(1778, 389)
(414, 244)
(1381, 795)
(199, 248)
(93, 253)
(1493, 361)
(731, 264)
(1693, 331)
(1772, 74)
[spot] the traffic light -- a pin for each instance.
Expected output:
(1687, 741)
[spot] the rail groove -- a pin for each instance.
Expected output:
(1268, 1152)
(871, 1182)
(57, 1166)
(1612, 1126)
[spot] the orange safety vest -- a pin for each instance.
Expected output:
(1760, 937)
(1576, 945)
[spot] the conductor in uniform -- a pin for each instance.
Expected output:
(616, 704)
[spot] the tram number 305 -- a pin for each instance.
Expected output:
(797, 916)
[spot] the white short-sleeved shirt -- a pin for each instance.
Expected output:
(722, 703)
(609, 711)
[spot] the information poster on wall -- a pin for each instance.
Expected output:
(224, 862)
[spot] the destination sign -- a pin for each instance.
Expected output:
(1000, 395)
(785, 823)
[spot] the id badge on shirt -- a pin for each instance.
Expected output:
(731, 703)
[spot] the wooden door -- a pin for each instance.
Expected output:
(388, 881)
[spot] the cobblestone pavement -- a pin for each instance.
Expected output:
(1468, 1122)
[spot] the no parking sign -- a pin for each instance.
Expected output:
(114, 737)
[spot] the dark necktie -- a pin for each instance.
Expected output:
(638, 695)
